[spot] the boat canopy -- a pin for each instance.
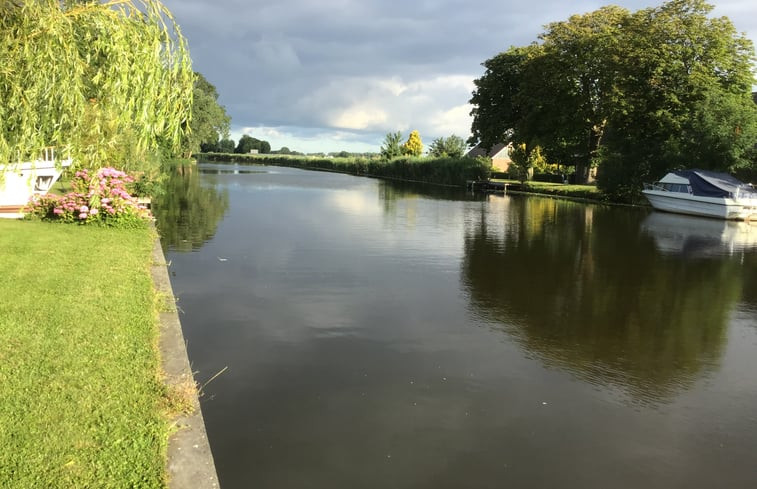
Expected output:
(673, 178)
(707, 183)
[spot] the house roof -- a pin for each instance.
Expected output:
(497, 151)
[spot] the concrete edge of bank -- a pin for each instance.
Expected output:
(190, 461)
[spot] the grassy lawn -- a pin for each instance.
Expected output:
(565, 190)
(81, 399)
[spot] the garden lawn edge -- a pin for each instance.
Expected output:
(189, 461)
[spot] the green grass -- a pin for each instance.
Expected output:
(590, 192)
(81, 399)
(61, 186)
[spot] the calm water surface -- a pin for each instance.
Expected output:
(390, 336)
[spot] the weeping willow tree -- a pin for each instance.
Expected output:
(106, 83)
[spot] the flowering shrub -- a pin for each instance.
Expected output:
(101, 198)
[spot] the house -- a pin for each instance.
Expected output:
(499, 154)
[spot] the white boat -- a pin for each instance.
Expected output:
(19, 181)
(703, 193)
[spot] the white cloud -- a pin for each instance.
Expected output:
(311, 140)
(436, 105)
(354, 203)
(456, 120)
(360, 116)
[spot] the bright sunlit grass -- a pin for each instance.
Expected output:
(81, 400)
(564, 190)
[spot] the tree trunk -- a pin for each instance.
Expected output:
(583, 167)
(582, 173)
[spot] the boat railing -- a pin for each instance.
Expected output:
(47, 159)
(47, 155)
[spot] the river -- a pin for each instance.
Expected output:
(386, 335)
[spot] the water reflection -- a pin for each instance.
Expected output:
(189, 210)
(378, 335)
(224, 171)
(749, 299)
(696, 237)
(593, 295)
(391, 191)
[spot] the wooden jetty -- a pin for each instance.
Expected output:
(486, 186)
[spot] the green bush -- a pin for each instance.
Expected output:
(101, 198)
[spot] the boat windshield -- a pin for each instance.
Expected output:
(675, 187)
(746, 192)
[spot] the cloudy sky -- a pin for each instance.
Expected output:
(334, 75)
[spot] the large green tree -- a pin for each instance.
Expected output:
(226, 146)
(247, 143)
(686, 97)
(574, 73)
(209, 122)
(496, 102)
(635, 93)
(392, 146)
(107, 83)
(556, 95)
(453, 147)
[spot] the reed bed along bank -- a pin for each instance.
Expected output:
(439, 171)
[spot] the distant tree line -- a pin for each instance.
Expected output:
(247, 144)
(444, 171)
(633, 94)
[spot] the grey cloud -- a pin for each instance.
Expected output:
(297, 63)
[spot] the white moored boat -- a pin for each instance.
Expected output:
(703, 193)
(19, 181)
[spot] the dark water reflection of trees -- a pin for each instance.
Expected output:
(585, 290)
(188, 212)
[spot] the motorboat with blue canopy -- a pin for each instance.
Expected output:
(703, 193)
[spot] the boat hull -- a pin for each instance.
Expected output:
(19, 182)
(717, 207)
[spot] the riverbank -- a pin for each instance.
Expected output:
(582, 192)
(84, 399)
(438, 171)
